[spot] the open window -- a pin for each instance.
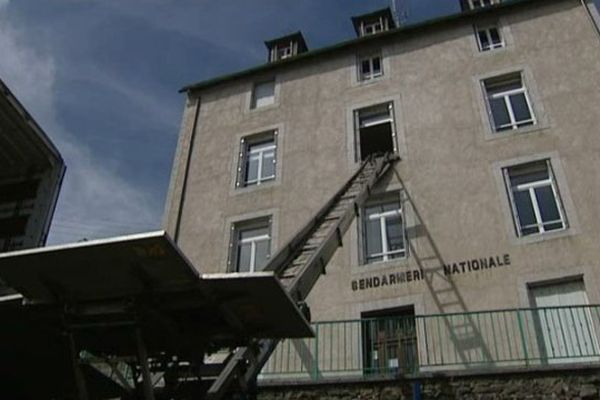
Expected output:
(389, 341)
(374, 130)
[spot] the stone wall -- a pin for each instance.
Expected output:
(538, 385)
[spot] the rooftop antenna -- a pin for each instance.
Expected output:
(399, 12)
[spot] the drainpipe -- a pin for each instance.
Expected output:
(187, 171)
(591, 16)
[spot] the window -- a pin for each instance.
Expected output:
(263, 94)
(257, 159)
(389, 341)
(508, 103)
(482, 3)
(384, 235)
(489, 38)
(251, 244)
(370, 67)
(565, 327)
(370, 28)
(284, 52)
(535, 198)
(374, 130)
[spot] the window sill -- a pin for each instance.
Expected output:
(492, 52)
(379, 266)
(368, 82)
(255, 188)
(542, 237)
(263, 108)
(516, 132)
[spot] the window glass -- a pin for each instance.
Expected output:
(520, 107)
(500, 113)
(495, 36)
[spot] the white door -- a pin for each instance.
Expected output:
(567, 331)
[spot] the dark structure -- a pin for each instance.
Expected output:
(31, 173)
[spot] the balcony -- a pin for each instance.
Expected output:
(409, 346)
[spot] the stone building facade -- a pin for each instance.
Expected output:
(492, 207)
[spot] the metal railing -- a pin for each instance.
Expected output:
(412, 344)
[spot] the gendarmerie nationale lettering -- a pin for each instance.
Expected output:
(477, 264)
(459, 267)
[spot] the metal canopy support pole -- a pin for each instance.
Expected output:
(143, 360)
(77, 373)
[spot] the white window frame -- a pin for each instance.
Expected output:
(362, 76)
(487, 31)
(260, 150)
(242, 226)
(513, 124)
(474, 4)
(382, 217)
(246, 151)
(530, 189)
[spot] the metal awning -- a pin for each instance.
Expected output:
(98, 286)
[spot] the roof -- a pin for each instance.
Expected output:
(24, 146)
(296, 37)
(384, 12)
(149, 270)
(401, 30)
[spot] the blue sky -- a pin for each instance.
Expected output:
(102, 78)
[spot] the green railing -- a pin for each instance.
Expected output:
(404, 345)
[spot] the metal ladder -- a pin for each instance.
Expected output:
(299, 264)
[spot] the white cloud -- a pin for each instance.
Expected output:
(94, 201)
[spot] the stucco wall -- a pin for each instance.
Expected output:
(450, 161)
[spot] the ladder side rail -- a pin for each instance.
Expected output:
(284, 255)
(306, 278)
(255, 356)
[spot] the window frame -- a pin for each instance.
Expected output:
(514, 125)
(370, 76)
(385, 198)
(486, 28)
(253, 100)
(246, 142)
(237, 228)
(530, 189)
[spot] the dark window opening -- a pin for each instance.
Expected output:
(375, 131)
(389, 341)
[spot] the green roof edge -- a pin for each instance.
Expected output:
(349, 43)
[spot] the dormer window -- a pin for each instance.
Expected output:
(286, 47)
(373, 23)
(285, 52)
(475, 4)
(372, 28)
